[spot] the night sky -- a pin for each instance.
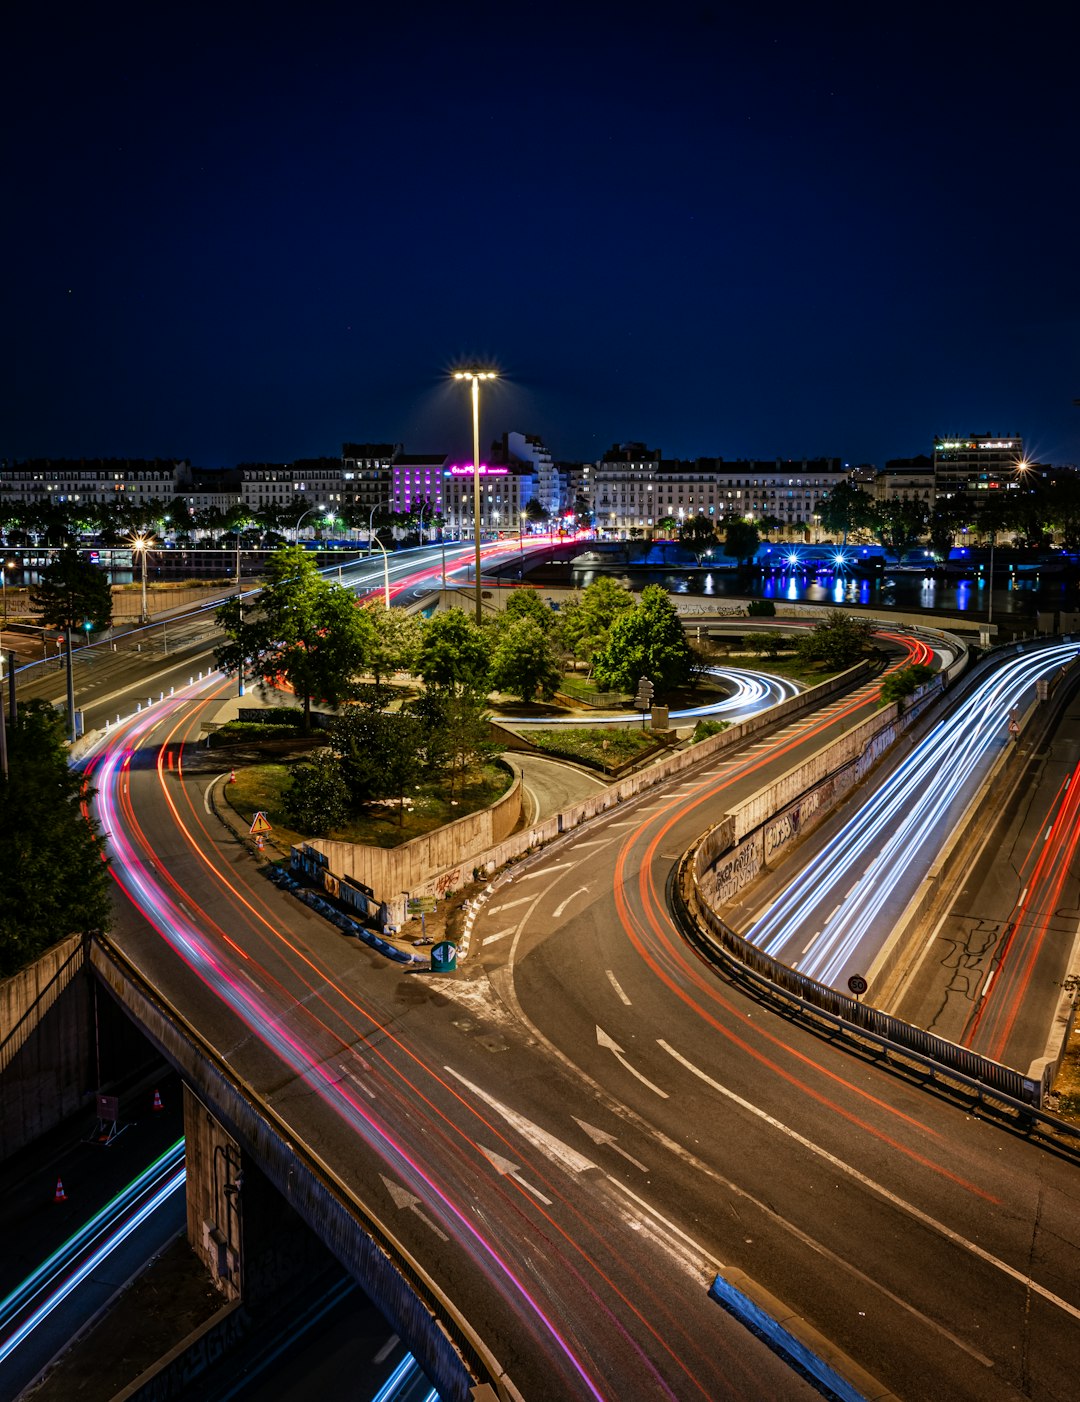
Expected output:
(237, 233)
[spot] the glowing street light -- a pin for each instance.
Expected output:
(386, 569)
(141, 545)
(308, 512)
(474, 377)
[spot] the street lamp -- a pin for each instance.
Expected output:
(521, 546)
(371, 520)
(386, 569)
(296, 535)
(141, 545)
(8, 565)
(474, 377)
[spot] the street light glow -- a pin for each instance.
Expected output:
(474, 377)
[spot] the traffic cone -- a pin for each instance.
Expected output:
(232, 777)
(59, 1195)
(157, 1105)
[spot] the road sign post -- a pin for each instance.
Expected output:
(644, 697)
(443, 957)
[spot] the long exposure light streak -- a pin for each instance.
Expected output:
(66, 1269)
(893, 829)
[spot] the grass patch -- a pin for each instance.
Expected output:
(606, 747)
(810, 674)
(236, 732)
(584, 689)
(261, 788)
(705, 728)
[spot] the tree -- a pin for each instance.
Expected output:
(950, 515)
(455, 654)
(899, 524)
(524, 661)
(837, 642)
(698, 534)
(303, 629)
(397, 638)
(535, 513)
(741, 540)
(1063, 507)
(54, 880)
(667, 526)
(646, 641)
(904, 681)
(318, 800)
(584, 623)
(527, 603)
(845, 509)
(72, 592)
(763, 644)
(380, 753)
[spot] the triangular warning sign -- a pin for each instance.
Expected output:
(260, 824)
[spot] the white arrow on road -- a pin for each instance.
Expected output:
(604, 1040)
(562, 906)
(511, 1170)
(401, 1197)
(601, 1136)
(539, 1138)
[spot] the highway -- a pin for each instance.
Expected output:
(582, 1127)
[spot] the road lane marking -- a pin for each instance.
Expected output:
(902, 1204)
(539, 1138)
(387, 1349)
(615, 984)
(545, 871)
(563, 904)
(508, 1169)
(604, 1040)
(402, 1198)
(601, 1136)
(498, 935)
(508, 905)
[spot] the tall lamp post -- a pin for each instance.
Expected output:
(141, 545)
(474, 377)
(296, 534)
(386, 570)
(371, 522)
(521, 546)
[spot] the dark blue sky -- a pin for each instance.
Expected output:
(253, 232)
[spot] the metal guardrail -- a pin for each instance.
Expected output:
(892, 1036)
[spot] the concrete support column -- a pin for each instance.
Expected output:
(215, 1180)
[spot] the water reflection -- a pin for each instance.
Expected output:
(1017, 596)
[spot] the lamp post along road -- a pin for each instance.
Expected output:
(475, 376)
(296, 536)
(386, 570)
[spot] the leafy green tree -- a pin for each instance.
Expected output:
(397, 638)
(71, 592)
(318, 800)
(1062, 510)
(535, 513)
(837, 642)
(524, 661)
(761, 608)
(904, 681)
(646, 641)
(54, 880)
(455, 654)
(949, 516)
(584, 623)
(763, 644)
(667, 526)
(741, 540)
(845, 509)
(899, 524)
(380, 753)
(527, 603)
(698, 533)
(303, 629)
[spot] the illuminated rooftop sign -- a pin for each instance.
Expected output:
(485, 471)
(998, 443)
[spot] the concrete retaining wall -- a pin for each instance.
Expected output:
(44, 1044)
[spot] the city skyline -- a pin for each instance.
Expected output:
(774, 236)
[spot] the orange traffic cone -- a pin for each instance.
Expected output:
(232, 777)
(157, 1105)
(59, 1195)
